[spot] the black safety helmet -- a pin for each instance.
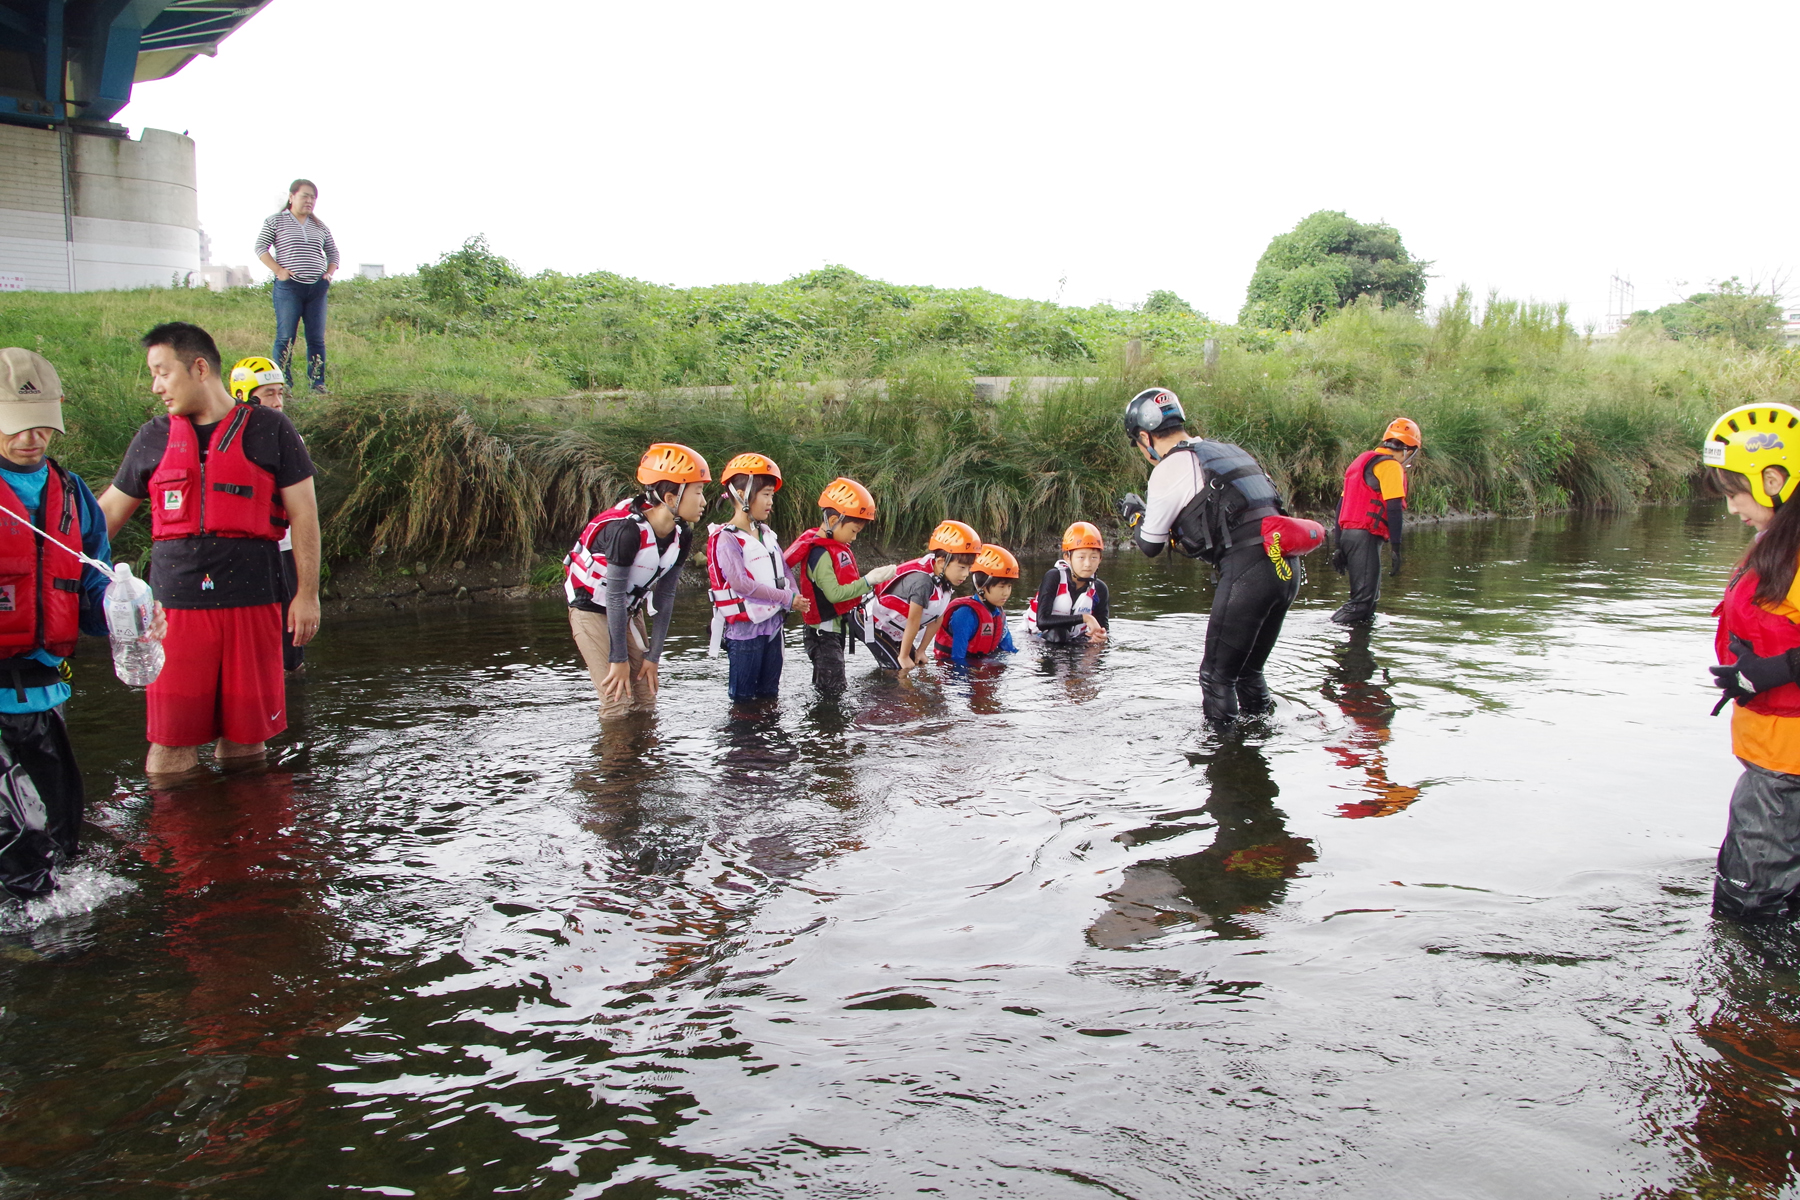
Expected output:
(1153, 411)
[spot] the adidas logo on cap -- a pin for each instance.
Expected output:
(29, 388)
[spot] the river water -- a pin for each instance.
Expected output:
(1436, 928)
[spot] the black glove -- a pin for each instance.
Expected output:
(1751, 673)
(1399, 557)
(1340, 561)
(1131, 511)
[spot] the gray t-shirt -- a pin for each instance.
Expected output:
(915, 587)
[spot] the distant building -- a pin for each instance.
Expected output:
(1790, 327)
(217, 276)
(371, 271)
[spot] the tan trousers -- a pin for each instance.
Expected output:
(594, 640)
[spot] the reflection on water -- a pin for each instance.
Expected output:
(1351, 684)
(1244, 870)
(1023, 928)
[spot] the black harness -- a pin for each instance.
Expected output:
(1230, 505)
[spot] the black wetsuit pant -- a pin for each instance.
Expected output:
(1759, 860)
(826, 650)
(1362, 554)
(41, 801)
(1249, 604)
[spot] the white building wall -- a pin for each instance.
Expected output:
(135, 210)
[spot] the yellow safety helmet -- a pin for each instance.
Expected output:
(1754, 436)
(250, 374)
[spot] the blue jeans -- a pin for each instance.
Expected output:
(755, 666)
(296, 302)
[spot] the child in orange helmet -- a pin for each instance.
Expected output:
(825, 567)
(1071, 603)
(751, 586)
(627, 560)
(902, 614)
(975, 626)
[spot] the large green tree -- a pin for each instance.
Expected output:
(1742, 313)
(1325, 262)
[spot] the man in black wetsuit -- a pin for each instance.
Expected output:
(1210, 498)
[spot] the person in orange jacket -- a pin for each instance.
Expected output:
(1372, 511)
(1753, 457)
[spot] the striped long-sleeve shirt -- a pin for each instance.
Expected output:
(305, 248)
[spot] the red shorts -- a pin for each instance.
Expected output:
(221, 677)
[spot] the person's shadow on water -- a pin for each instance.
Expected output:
(1245, 870)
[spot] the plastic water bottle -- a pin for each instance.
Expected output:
(130, 609)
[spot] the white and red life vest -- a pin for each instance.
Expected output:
(226, 495)
(586, 567)
(40, 588)
(1063, 606)
(886, 613)
(763, 562)
(1362, 506)
(843, 566)
(990, 627)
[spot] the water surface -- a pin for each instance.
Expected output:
(1436, 928)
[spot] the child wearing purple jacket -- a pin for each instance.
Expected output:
(751, 589)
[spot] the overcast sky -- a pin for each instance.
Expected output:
(1075, 152)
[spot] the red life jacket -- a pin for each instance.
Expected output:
(843, 565)
(887, 613)
(1362, 506)
(40, 588)
(1768, 634)
(990, 627)
(225, 496)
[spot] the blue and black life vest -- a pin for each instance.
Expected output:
(1230, 505)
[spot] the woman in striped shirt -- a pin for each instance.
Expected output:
(299, 249)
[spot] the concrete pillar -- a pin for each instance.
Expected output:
(131, 216)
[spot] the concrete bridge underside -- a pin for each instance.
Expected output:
(82, 205)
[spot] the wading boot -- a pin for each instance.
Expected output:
(1253, 695)
(1218, 701)
(1354, 614)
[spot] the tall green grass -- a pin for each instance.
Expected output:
(466, 438)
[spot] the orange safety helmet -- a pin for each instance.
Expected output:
(953, 537)
(1083, 535)
(750, 463)
(671, 462)
(848, 498)
(997, 562)
(1403, 430)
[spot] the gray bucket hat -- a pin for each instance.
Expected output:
(30, 392)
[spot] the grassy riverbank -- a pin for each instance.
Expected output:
(458, 426)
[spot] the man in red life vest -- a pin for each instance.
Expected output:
(48, 597)
(1372, 511)
(225, 481)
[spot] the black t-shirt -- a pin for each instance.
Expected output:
(619, 541)
(218, 572)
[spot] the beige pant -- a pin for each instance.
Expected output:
(594, 640)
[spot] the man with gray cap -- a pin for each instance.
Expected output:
(48, 597)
